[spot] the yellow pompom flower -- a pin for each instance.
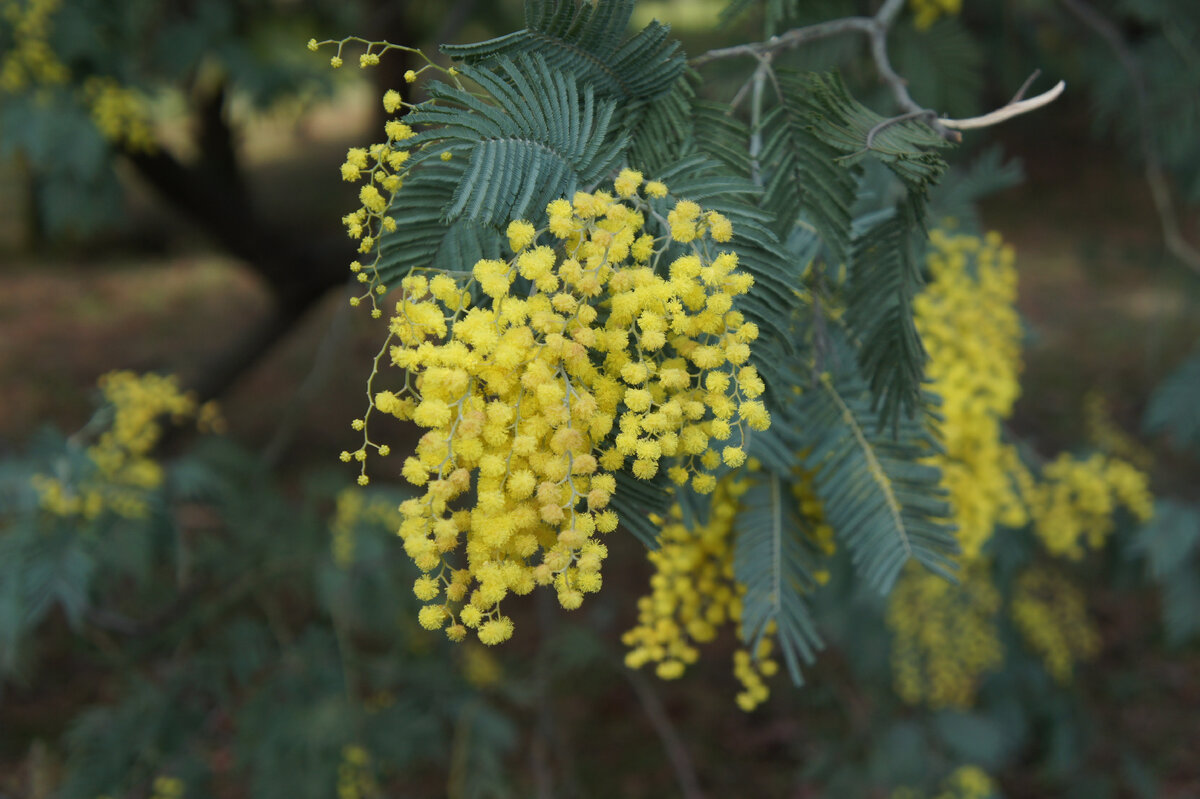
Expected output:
(535, 378)
(520, 234)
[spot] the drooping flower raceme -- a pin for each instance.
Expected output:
(537, 378)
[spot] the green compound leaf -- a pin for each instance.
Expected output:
(885, 276)
(588, 41)
(881, 500)
(1174, 408)
(771, 560)
(815, 143)
(635, 500)
(540, 137)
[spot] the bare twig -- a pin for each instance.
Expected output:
(874, 28)
(1020, 95)
(685, 772)
(786, 41)
(1156, 176)
(1015, 107)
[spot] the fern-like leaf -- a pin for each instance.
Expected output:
(635, 501)
(877, 493)
(885, 276)
(542, 136)
(771, 561)
(588, 41)
(1174, 409)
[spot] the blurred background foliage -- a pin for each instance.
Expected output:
(239, 624)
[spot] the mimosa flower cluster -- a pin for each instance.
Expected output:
(29, 60)
(539, 377)
(945, 637)
(121, 474)
(382, 167)
(1076, 500)
(356, 779)
(968, 322)
(1051, 615)
(121, 114)
(693, 592)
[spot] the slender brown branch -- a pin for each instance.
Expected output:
(875, 28)
(786, 41)
(685, 772)
(1156, 176)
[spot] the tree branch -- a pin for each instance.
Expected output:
(874, 28)
(685, 772)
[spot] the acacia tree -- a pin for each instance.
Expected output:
(729, 319)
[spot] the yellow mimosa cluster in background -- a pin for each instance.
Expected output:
(121, 472)
(1051, 614)
(968, 322)
(965, 782)
(927, 12)
(945, 637)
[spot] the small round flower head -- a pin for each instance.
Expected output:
(520, 234)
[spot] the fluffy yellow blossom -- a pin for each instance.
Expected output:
(1051, 615)
(167, 788)
(626, 184)
(965, 782)
(576, 361)
(968, 323)
(356, 779)
(121, 474)
(1076, 500)
(945, 637)
(121, 114)
(520, 234)
(969, 326)
(28, 60)
(693, 594)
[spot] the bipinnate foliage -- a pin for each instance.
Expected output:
(1170, 548)
(878, 495)
(544, 135)
(773, 562)
(589, 40)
